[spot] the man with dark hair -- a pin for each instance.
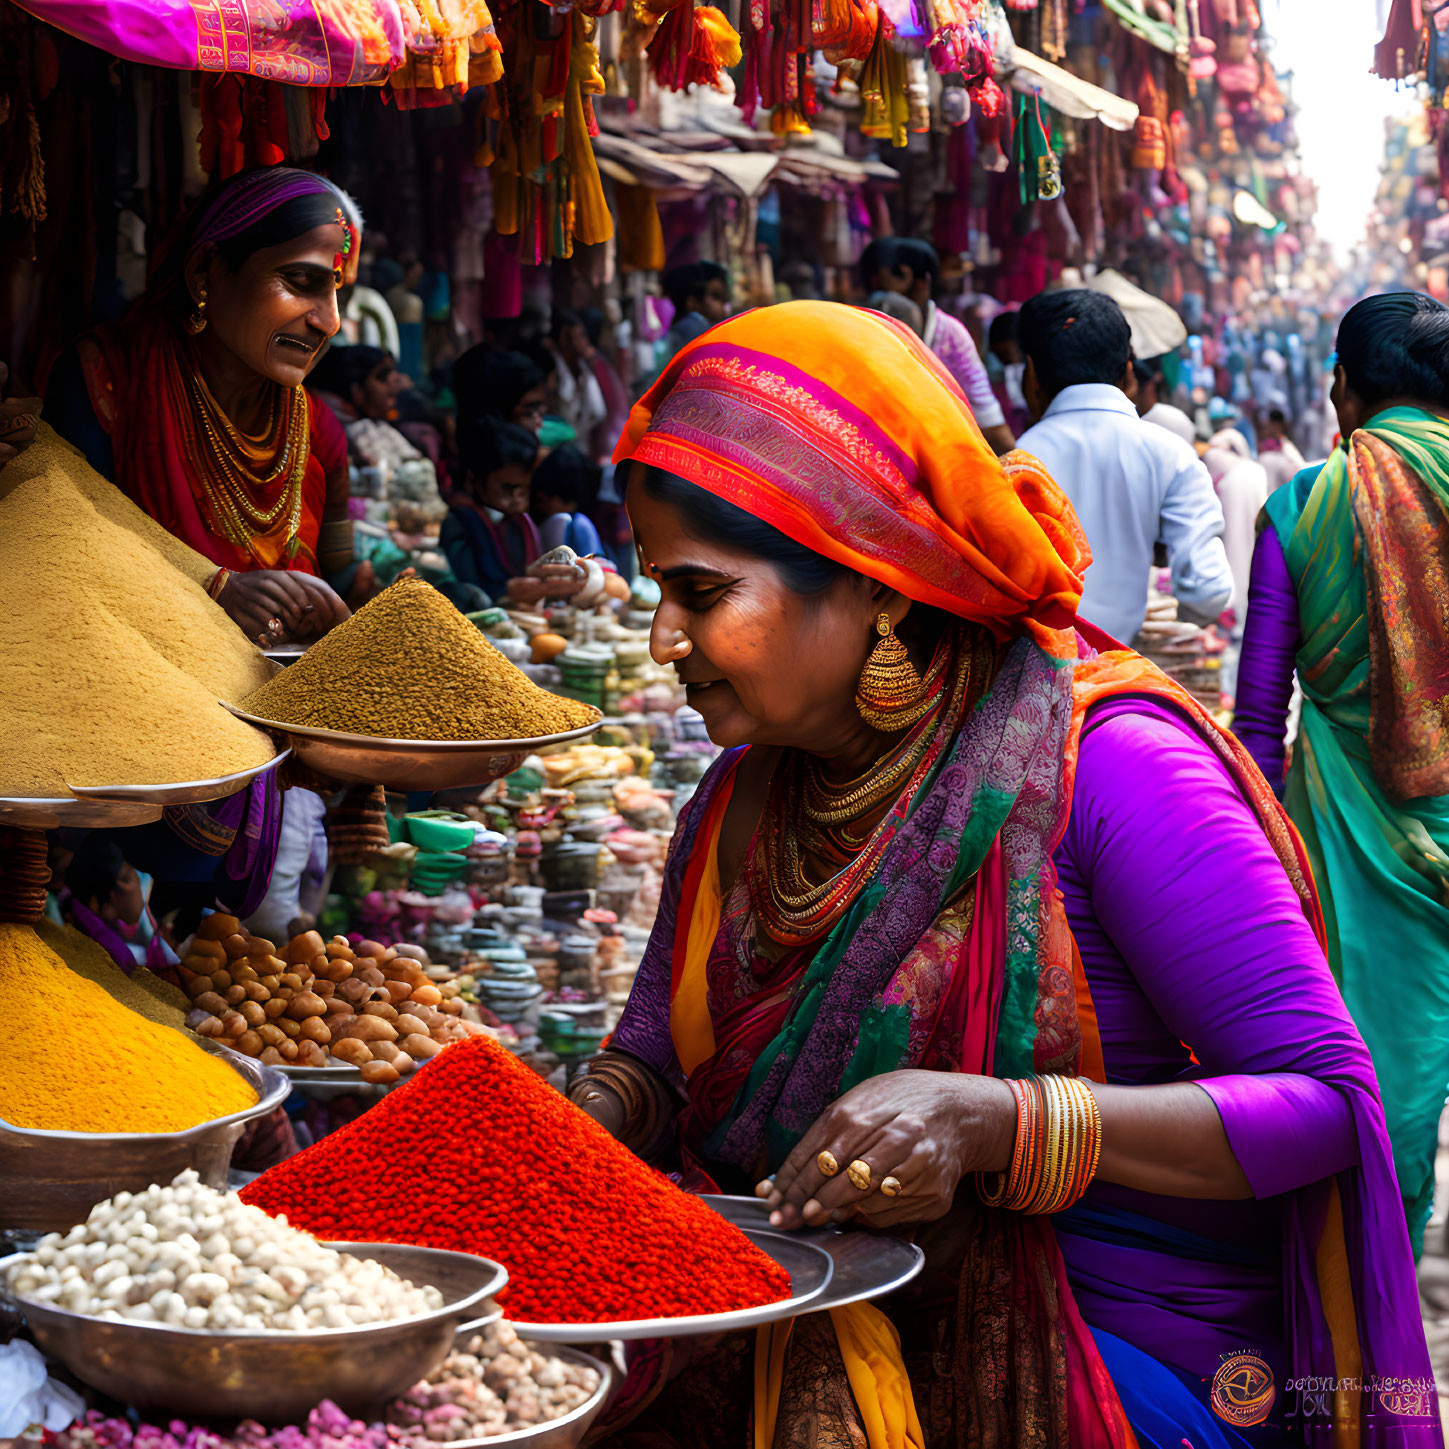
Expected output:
(1132, 483)
(1152, 391)
(909, 266)
(700, 294)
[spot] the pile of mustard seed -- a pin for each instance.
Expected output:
(409, 666)
(112, 657)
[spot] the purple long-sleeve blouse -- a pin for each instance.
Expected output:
(1160, 853)
(1265, 671)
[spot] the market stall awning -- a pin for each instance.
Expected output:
(1063, 91)
(1156, 327)
(304, 44)
(636, 164)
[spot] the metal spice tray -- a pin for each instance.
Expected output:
(408, 764)
(867, 1264)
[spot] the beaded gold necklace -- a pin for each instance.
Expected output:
(807, 815)
(238, 471)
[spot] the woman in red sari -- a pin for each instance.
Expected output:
(195, 408)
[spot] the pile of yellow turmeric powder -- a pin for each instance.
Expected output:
(142, 991)
(76, 1060)
(115, 657)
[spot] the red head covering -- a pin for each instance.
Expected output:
(839, 428)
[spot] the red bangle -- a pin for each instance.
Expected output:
(217, 584)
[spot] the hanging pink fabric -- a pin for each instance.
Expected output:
(324, 43)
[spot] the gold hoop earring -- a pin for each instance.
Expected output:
(196, 321)
(891, 694)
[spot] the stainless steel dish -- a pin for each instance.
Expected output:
(34, 813)
(867, 1265)
(185, 792)
(408, 764)
(49, 1181)
(565, 1432)
(810, 1269)
(274, 1377)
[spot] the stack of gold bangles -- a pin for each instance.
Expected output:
(1058, 1147)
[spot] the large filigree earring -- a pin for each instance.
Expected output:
(196, 319)
(891, 695)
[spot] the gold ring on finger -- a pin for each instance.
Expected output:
(891, 1186)
(827, 1164)
(859, 1174)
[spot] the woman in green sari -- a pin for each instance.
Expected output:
(1350, 587)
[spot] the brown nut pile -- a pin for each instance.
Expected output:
(317, 1002)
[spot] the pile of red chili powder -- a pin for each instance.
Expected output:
(480, 1155)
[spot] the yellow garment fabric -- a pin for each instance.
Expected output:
(689, 1022)
(1335, 1292)
(871, 1351)
(867, 1339)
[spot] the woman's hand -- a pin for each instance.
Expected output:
(925, 1129)
(273, 606)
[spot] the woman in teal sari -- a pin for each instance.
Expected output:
(1350, 587)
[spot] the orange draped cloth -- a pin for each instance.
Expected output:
(773, 411)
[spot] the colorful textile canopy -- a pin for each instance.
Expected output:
(300, 42)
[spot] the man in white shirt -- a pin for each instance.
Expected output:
(1131, 482)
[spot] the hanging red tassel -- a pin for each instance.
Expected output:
(669, 47)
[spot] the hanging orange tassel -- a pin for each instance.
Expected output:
(715, 48)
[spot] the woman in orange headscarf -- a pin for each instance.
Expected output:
(933, 956)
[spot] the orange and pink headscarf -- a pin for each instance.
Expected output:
(841, 429)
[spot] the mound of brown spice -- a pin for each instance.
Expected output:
(409, 666)
(114, 656)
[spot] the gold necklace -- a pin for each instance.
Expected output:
(227, 461)
(788, 905)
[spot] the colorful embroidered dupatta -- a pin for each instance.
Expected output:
(918, 973)
(1366, 539)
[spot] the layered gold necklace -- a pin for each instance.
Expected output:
(841, 824)
(238, 472)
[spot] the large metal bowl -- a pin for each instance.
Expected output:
(274, 1377)
(49, 1181)
(408, 764)
(565, 1432)
(34, 813)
